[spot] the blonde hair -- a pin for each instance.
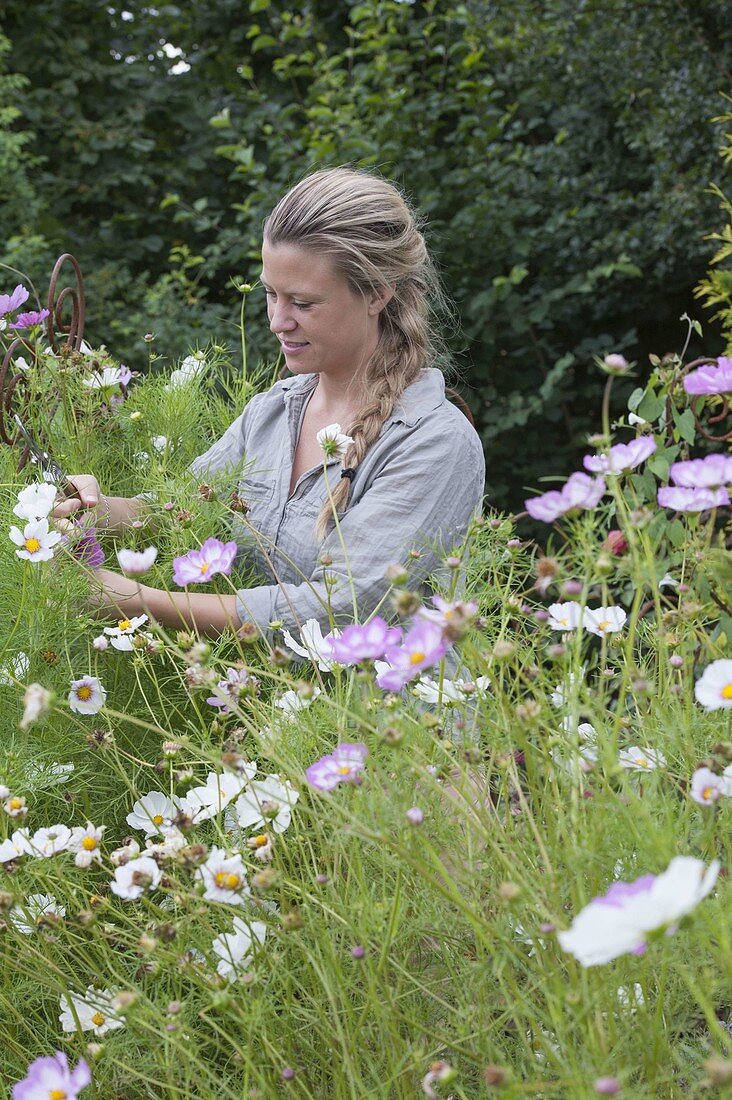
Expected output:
(365, 225)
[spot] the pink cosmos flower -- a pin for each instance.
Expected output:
(9, 302)
(711, 378)
(423, 646)
(239, 681)
(683, 499)
(707, 787)
(579, 491)
(52, 1076)
(364, 643)
(621, 457)
(343, 765)
(134, 562)
(27, 320)
(198, 566)
(711, 472)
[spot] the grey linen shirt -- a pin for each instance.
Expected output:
(417, 488)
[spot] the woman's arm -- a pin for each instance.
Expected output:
(205, 612)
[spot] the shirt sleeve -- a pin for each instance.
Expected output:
(422, 500)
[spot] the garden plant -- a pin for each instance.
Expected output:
(477, 844)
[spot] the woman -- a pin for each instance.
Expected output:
(348, 283)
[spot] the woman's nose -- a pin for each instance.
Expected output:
(279, 318)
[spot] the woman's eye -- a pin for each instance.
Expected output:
(302, 305)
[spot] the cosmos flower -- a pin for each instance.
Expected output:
(27, 916)
(238, 682)
(713, 689)
(636, 759)
(604, 620)
(93, 1012)
(11, 302)
(367, 642)
(122, 635)
(223, 877)
(49, 841)
(712, 472)
(621, 457)
(313, 645)
(134, 562)
(459, 690)
(153, 811)
(110, 378)
(35, 501)
(343, 765)
(87, 695)
(707, 787)
(333, 442)
(84, 842)
(36, 542)
(133, 878)
(685, 499)
(235, 949)
(565, 616)
(198, 566)
(204, 802)
(36, 703)
(580, 491)
(712, 378)
(28, 320)
(623, 919)
(51, 1078)
(266, 804)
(422, 647)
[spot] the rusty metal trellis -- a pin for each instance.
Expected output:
(13, 377)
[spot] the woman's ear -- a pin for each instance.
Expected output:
(379, 299)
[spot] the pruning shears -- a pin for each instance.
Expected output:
(52, 472)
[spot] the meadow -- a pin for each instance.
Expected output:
(481, 848)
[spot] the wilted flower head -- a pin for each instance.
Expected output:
(199, 566)
(622, 920)
(36, 702)
(712, 378)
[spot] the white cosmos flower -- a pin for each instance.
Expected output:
(234, 949)
(36, 702)
(93, 1011)
(636, 759)
(134, 562)
(266, 804)
(291, 702)
(333, 442)
(713, 689)
(202, 803)
(87, 695)
(450, 691)
(565, 616)
(562, 692)
(50, 841)
(133, 878)
(26, 917)
(223, 877)
(109, 377)
(15, 846)
(36, 542)
(173, 842)
(153, 811)
(313, 645)
(622, 920)
(604, 620)
(189, 369)
(121, 635)
(16, 670)
(85, 843)
(35, 502)
(159, 442)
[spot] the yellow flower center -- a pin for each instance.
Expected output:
(205, 566)
(98, 1019)
(643, 762)
(124, 624)
(158, 819)
(225, 880)
(417, 657)
(344, 770)
(89, 843)
(726, 691)
(16, 803)
(57, 1094)
(84, 693)
(260, 840)
(604, 624)
(710, 794)
(32, 546)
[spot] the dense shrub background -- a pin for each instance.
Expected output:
(561, 152)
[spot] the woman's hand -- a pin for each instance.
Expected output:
(89, 496)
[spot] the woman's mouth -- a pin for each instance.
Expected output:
(292, 347)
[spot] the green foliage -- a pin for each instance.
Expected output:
(715, 290)
(560, 155)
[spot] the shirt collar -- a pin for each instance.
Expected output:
(424, 395)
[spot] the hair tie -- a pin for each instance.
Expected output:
(349, 472)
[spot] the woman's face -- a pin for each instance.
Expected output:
(323, 326)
